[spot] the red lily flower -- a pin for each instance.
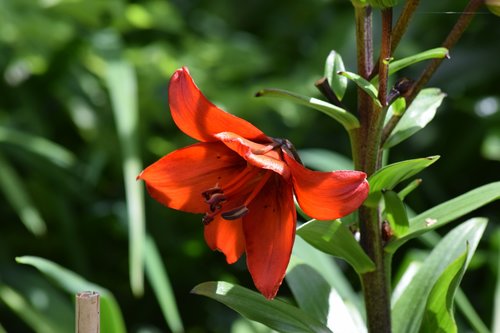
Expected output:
(244, 182)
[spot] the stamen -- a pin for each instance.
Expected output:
(210, 192)
(207, 218)
(235, 213)
(215, 201)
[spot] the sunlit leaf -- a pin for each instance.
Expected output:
(315, 296)
(111, 316)
(447, 212)
(397, 65)
(333, 65)
(275, 314)
(348, 120)
(334, 238)
(421, 111)
(391, 175)
(438, 315)
(408, 310)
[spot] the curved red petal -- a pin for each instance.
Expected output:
(327, 195)
(196, 116)
(259, 155)
(227, 237)
(269, 230)
(178, 179)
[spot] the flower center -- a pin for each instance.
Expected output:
(244, 187)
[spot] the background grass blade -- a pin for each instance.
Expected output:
(121, 81)
(157, 276)
(18, 197)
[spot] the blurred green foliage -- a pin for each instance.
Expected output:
(62, 194)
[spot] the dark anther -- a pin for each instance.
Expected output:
(288, 148)
(235, 213)
(215, 200)
(210, 192)
(206, 219)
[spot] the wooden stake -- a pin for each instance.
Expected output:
(87, 312)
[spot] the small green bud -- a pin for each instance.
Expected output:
(493, 6)
(382, 3)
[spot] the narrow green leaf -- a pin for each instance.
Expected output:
(397, 65)
(334, 238)
(408, 310)
(447, 212)
(309, 289)
(346, 119)
(275, 314)
(157, 276)
(328, 268)
(111, 316)
(121, 81)
(496, 306)
(391, 175)
(16, 194)
(324, 160)
(438, 316)
(419, 114)
(364, 84)
(19, 305)
(409, 188)
(395, 213)
(38, 145)
(333, 65)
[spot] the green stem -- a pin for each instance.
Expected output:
(365, 146)
(385, 54)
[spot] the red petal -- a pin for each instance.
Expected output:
(178, 179)
(196, 116)
(327, 195)
(271, 160)
(226, 237)
(269, 229)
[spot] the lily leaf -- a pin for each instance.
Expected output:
(397, 65)
(438, 316)
(334, 238)
(364, 84)
(111, 316)
(391, 175)
(419, 114)
(395, 212)
(447, 212)
(275, 314)
(329, 270)
(408, 310)
(315, 296)
(333, 65)
(348, 120)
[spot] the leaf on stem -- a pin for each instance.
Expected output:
(447, 212)
(333, 65)
(348, 120)
(397, 65)
(364, 84)
(421, 111)
(395, 213)
(334, 238)
(275, 314)
(391, 175)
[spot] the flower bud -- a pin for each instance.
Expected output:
(493, 6)
(383, 3)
